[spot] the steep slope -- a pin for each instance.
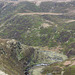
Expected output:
(11, 57)
(6, 58)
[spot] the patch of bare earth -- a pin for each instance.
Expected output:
(70, 21)
(69, 63)
(2, 73)
(45, 25)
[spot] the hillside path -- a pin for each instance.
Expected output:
(40, 13)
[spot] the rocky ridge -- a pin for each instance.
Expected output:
(11, 58)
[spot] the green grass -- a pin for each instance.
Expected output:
(70, 70)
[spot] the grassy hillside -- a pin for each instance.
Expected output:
(57, 7)
(50, 37)
(38, 30)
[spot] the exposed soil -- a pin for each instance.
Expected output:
(2, 73)
(69, 21)
(38, 13)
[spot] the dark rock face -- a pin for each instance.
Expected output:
(2, 51)
(71, 52)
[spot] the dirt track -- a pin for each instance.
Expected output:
(37, 13)
(69, 21)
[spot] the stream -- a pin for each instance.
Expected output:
(38, 65)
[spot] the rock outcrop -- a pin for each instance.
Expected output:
(14, 56)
